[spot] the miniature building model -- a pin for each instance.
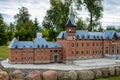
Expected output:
(71, 44)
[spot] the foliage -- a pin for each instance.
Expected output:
(95, 9)
(110, 28)
(10, 31)
(81, 25)
(3, 35)
(25, 26)
(118, 30)
(56, 17)
(6, 70)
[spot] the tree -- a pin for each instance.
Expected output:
(11, 31)
(24, 26)
(95, 9)
(110, 28)
(118, 30)
(56, 17)
(81, 25)
(3, 36)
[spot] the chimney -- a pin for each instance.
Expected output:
(39, 35)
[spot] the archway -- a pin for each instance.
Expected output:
(55, 58)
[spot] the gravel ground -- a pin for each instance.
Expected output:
(77, 65)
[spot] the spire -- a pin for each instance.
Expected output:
(71, 20)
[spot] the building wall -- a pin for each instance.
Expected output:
(35, 55)
(70, 49)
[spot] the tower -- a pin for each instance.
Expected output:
(70, 36)
(70, 25)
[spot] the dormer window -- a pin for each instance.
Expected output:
(94, 36)
(38, 46)
(24, 46)
(42, 46)
(88, 36)
(108, 38)
(77, 36)
(83, 37)
(46, 46)
(16, 47)
(101, 37)
(97, 37)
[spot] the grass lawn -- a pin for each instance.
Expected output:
(111, 78)
(4, 52)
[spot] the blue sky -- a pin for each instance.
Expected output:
(38, 8)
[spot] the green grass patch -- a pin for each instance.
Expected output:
(111, 78)
(4, 52)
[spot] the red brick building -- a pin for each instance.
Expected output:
(71, 44)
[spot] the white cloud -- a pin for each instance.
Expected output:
(38, 8)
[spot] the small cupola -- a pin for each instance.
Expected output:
(39, 35)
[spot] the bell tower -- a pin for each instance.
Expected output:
(70, 25)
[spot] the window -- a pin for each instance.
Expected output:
(96, 44)
(88, 36)
(42, 46)
(59, 50)
(50, 50)
(87, 44)
(46, 46)
(106, 50)
(24, 46)
(82, 52)
(83, 37)
(82, 44)
(76, 52)
(23, 51)
(16, 47)
(93, 44)
(93, 51)
(38, 46)
(87, 52)
(117, 49)
(31, 51)
(77, 36)
(72, 44)
(55, 50)
(112, 49)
